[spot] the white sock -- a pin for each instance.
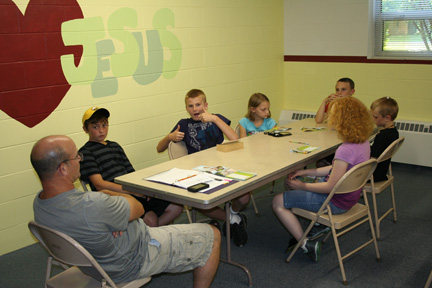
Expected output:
(305, 250)
(234, 217)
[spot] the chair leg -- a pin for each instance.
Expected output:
(429, 281)
(374, 237)
(48, 271)
(339, 255)
(272, 190)
(394, 203)
(186, 208)
(193, 216)
(377, 220)
(300, 242)
(254, 204)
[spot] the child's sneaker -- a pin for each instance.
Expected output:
(318, 230)
(291, 245)
(238, 231)
(313, 250)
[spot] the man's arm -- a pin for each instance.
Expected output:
(136, 208)
(175, 136)
(100, 184)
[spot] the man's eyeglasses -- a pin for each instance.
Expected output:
(79, 157)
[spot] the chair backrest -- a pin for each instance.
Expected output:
(391, 150)
(355, 178)
(177, 150)
(237, 130)
(65, 249)
(84, 185)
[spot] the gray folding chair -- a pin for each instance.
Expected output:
(352, 180)
(377, 187)
(64, 250)
(177, 150)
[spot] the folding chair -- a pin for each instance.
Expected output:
(237, 130)
(353, 180)
(84, 185)
(177, 150)
(64, 250)
(377, 187)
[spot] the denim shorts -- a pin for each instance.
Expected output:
(307, 200)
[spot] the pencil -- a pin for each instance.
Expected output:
(187, 177)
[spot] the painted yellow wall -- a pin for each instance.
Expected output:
(306, 85)
(340, 28)
(230, 49)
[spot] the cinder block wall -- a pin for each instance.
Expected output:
(230, 49)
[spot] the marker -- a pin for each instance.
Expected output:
(299, 142)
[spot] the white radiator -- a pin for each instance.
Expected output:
(416, 149)
(288, 116)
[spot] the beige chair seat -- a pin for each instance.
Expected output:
(380, 186)
(357, 212)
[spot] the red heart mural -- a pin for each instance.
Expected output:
(32, 83)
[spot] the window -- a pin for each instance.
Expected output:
(400, 28)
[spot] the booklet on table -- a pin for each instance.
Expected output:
(225, 172)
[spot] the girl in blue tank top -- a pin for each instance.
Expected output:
(258, 116)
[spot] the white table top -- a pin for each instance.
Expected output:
(269, 157)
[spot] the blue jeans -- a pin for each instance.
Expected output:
(307, 200)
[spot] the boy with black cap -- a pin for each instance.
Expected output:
(104, 160)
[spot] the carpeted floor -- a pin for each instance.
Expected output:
(404, 247)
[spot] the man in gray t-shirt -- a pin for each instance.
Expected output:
(107, 223)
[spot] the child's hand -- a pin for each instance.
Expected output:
(292, 175)
(331, 97)
(294, 184)
(177, 135)
(206, 117)
(295, 174)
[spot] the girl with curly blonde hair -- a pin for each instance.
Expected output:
(354, 124)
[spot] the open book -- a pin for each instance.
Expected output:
(184, 178)
(225, 172)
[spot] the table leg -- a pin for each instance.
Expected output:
(228, 246)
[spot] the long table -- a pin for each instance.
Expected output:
(269, 157)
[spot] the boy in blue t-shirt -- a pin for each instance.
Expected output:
(204, 130)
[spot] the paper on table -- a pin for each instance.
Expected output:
(184, 178)
(305, 149)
